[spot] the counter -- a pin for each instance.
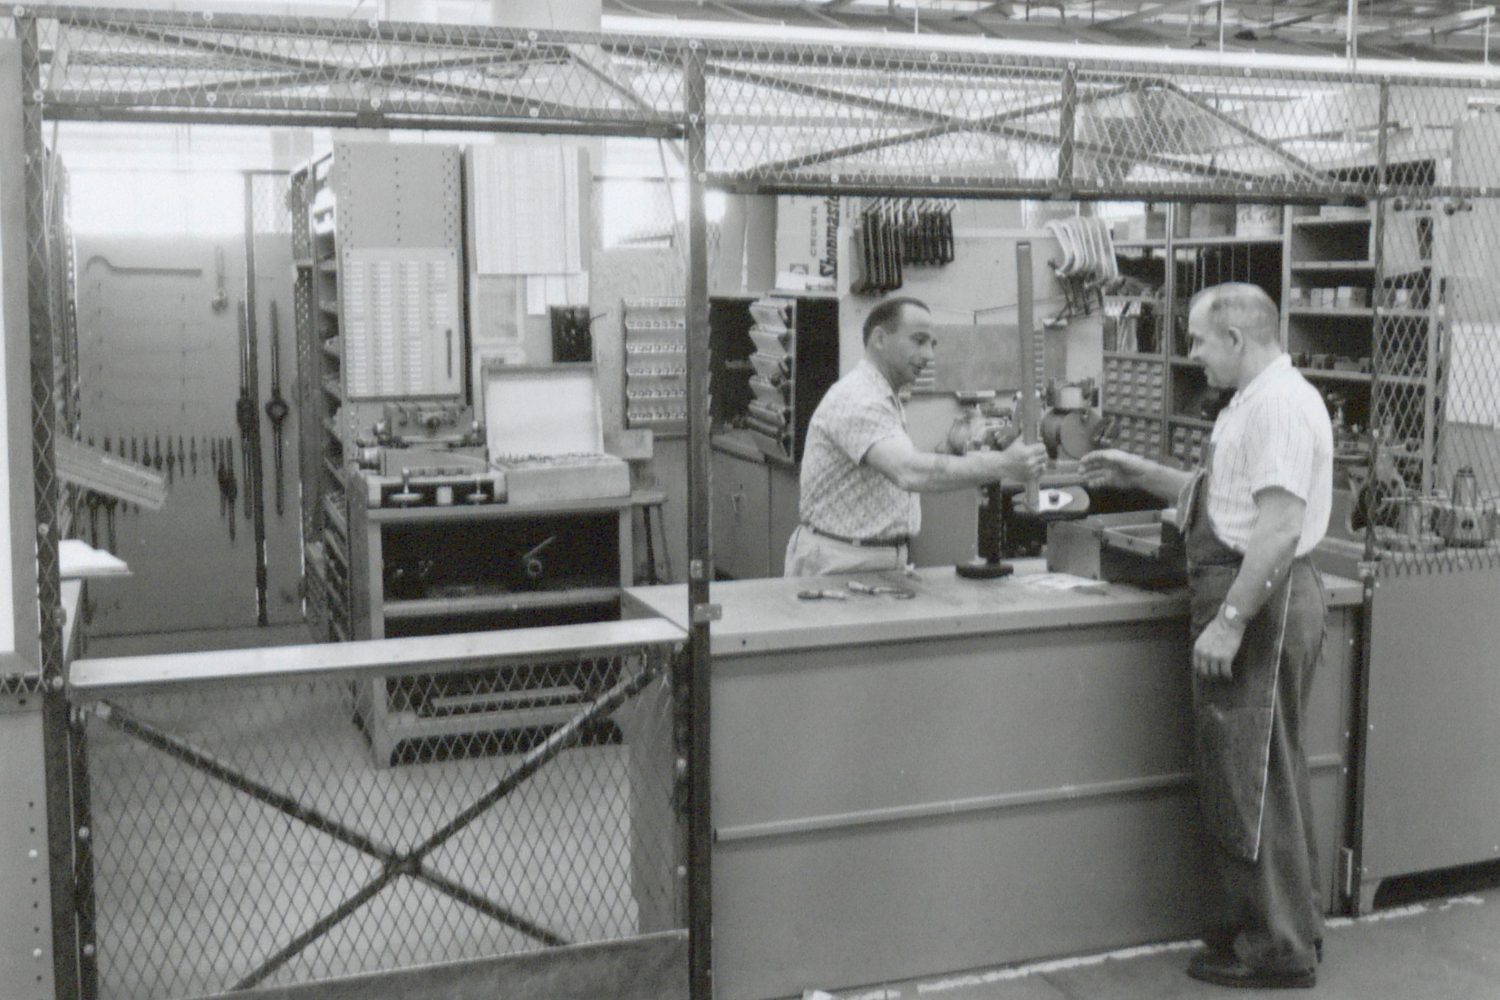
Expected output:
(989, 772)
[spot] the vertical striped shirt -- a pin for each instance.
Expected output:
(840, 492)
(1275, 432)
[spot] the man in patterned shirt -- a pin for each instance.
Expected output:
(860, 471)
(1251, 516)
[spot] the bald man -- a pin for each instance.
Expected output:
(1251, 516)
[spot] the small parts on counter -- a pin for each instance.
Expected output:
(857, 587)
(899, 593)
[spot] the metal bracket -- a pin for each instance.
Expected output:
(1346, 871)
(705, 613)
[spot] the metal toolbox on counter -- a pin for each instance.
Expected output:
(1137, 547)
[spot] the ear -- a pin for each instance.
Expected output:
(1236, 336)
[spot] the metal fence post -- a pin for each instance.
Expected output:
(700, 558)
(55, 738)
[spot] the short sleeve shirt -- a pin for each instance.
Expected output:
(1274, 432)
(841, 493)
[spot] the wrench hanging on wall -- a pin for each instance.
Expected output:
(276, 407)
(244, 410)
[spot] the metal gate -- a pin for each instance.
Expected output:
(240, 832)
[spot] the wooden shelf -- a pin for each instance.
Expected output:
(1331, 220)
(438, 607)
(1333, 312)
(474, 512)
(1317, 266)
(1189, 242)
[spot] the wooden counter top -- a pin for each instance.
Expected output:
(766, 615)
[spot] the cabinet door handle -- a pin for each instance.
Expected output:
(737, 499)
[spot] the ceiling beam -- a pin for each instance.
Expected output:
(1446, 24)
(1153, 12)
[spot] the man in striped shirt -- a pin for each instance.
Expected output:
(860, 470)
(1251, 517)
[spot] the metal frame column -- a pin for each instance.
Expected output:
(55, 734)
(700, 557)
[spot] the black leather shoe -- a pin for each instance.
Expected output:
(1224, 970)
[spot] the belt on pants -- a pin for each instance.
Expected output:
(864, 543)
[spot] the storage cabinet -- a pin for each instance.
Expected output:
(753, 513)
(438, 570)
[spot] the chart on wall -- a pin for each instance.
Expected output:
(162, 357)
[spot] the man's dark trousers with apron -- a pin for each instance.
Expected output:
(1262, 896)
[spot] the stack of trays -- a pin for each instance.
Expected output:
(769, 417)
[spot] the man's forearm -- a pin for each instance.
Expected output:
(930, 472)
(1162, 481)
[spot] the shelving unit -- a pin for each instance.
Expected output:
(1158, 399)
(370, 221)
(1354, 319)
(656, 365)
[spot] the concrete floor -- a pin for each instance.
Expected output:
(1443, 948)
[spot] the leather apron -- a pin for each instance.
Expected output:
(1232, 718)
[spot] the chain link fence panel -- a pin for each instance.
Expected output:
(276, 833)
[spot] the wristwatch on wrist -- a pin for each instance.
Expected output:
(1231, 615)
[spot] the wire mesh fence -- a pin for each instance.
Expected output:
(277, 833)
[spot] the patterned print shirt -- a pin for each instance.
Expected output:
(1274, 432)
(841, 494)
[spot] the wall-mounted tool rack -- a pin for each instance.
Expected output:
(656, 364)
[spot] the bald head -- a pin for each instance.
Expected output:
(1243, 306)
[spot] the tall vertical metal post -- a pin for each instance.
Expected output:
(255, 498)
(1361, 710)
(55, 733)
(700, 557)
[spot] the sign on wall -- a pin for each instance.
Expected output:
(807, 233)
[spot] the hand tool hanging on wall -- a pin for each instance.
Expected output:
(244, 410)
(276, 407)
(229, 489)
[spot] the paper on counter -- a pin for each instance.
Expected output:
(1062, 582)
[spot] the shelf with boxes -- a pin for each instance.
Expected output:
(656, 364)
(1160, 400)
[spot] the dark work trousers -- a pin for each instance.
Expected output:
(1253, 782)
